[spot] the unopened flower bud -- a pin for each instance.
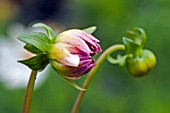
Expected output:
(142, 64)
(71, 53)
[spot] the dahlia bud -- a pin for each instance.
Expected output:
(139, 61)
(71, 53)
(141, 65)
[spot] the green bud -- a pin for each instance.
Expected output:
(140, 65)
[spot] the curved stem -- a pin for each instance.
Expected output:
(93, 72)
(29, 91)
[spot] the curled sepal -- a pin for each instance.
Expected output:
(131, 46)
(36, 63)
(138, 36)
(142, 35)
(135, 41)
(120, 60)
(133, 35)
(90, 30)
(48, 29)
(72, 83)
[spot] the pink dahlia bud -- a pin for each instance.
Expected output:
(71, 53)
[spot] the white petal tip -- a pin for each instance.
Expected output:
(72, 60)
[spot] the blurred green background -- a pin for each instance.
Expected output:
(112, 90)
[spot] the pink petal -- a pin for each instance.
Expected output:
(74, 41)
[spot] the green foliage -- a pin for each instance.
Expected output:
(32, 49)
(37, 39)
(48, 29)
(36, 43)
(36, 63)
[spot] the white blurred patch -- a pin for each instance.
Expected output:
(13, 74)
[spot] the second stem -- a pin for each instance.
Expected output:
(93, 72)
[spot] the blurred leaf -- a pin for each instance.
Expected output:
(32, 49)
(90, 30)
(37, 39)
(48, 29)
(36, 63)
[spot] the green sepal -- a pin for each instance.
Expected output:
(32, 49)
(90, 30)
(36, 63)
(131, 46)
(120, 60)
(72, 83)
(37, 39)
(142, 35)
(48, 29)
(138, 36)
(134, 36)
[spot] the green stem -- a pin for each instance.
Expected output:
(29, 91)
(93, 72)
